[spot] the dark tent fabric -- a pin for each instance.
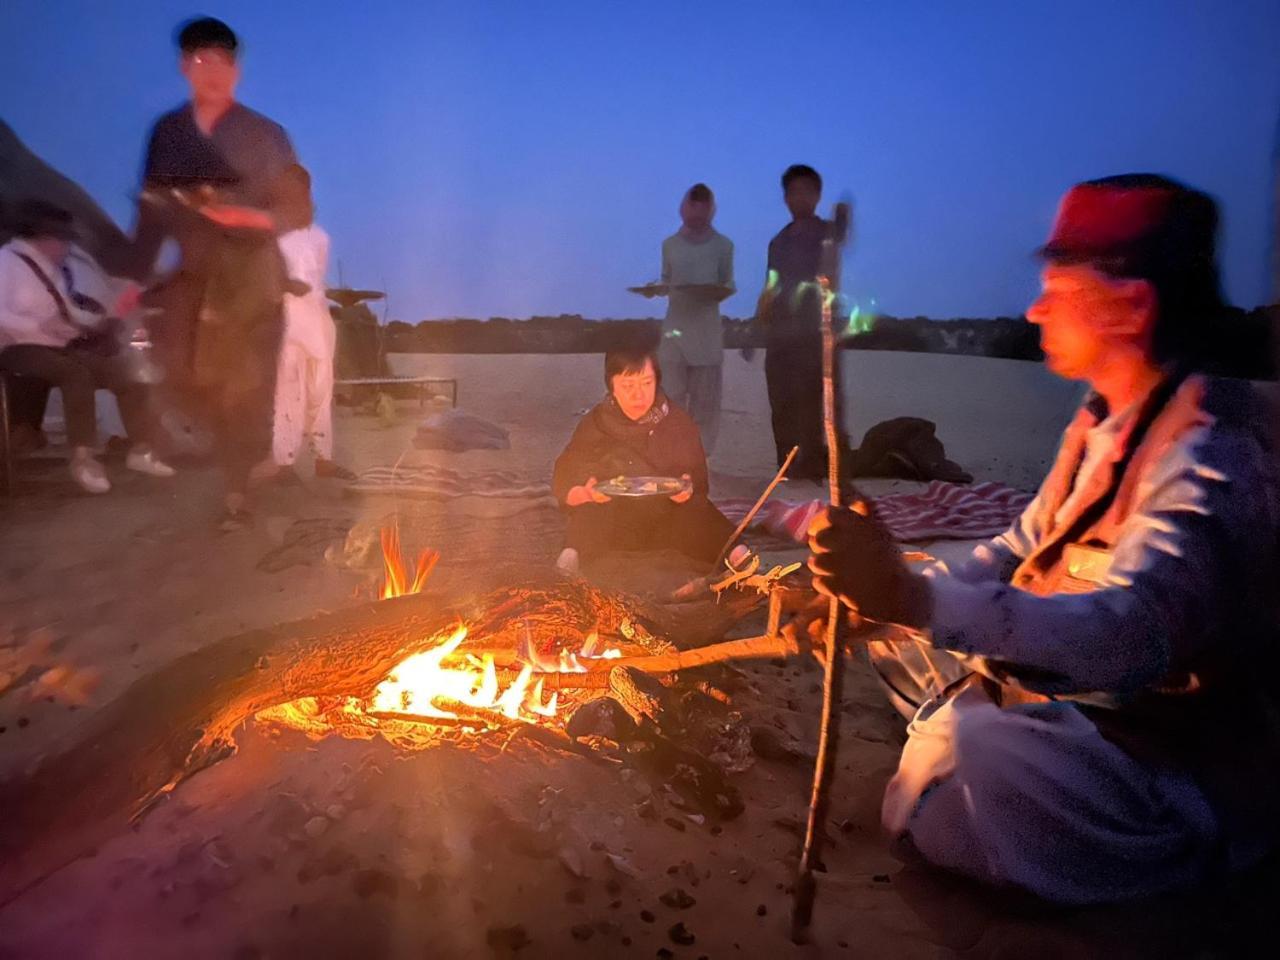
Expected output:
(23, 175)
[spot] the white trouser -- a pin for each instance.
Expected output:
(304, 405)
(1033, 796)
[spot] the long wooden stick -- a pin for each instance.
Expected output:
(766, 647)
(833, 685)
(751, 514)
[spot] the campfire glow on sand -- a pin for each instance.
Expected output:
(443, 684)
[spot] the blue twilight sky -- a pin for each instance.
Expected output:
(484, 158)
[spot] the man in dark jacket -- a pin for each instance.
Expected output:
(635, 431)
(210, 176)
(1092, 712)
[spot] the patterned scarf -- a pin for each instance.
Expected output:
(651, 418)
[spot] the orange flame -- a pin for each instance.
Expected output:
(419, 681)
(566, 661)
(397, 583)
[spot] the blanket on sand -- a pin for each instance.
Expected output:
(940, 511)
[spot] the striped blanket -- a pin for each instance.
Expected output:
(441, 482)
(940, 511)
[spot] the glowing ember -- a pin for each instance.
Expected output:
(397, 583)
(419, 682)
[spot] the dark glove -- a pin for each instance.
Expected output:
(855, 559)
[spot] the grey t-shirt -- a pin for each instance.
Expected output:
(692, 324)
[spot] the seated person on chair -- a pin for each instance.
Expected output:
(635, 431)
(52, 333)
(1092, 715)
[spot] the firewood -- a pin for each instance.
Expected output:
(639, 698)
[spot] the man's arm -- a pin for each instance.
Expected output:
(724, 271)
(571, 479)
(997, 559)
(764, 305)
(149, 225)
(1207, 526)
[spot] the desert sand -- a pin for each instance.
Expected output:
(294, 847)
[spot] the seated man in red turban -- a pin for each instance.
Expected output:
(1092, 712)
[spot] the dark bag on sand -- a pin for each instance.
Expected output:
(905, 447)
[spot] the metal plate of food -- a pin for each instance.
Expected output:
(643, 486)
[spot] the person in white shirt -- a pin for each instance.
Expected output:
(304, 380)
(697, 269)
(51, 332)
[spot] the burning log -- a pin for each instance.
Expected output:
(182, 718)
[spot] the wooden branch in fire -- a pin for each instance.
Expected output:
(596, 675)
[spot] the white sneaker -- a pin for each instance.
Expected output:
(567, 562)
(143, 460)
(89, 474)
(738, 556)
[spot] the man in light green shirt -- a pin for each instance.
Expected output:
(697, 269)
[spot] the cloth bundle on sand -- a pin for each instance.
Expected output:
(941, 511)
(905, 447)
(458, 431)
(441, 483)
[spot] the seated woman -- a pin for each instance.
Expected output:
(635, 431)
(51, 333)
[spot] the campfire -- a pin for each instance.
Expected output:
(454, 681)
(576, 668)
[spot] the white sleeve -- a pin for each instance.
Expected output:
(24, 302)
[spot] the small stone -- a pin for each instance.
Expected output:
(575, 895)
(571, 860)
(335, 811)
(626, 941)
(881, 878)
(762, 910)
(316, 826)
(681, 934)
(622, 865)
(677, 899)
(582, 931)
(664, 953)
(615, 904)
(674, 824)
(647, 916)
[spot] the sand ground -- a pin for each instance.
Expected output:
(348, 848)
